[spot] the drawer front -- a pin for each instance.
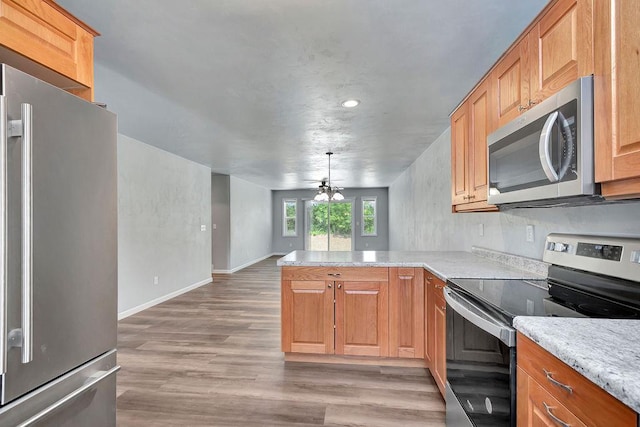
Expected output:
(541, 408)
(351, 274)
(590, 403)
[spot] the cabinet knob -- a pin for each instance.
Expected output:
(334, 274)
(533, 102)
(439, 286)
(339, 285)
(521, 108)
(330, 286)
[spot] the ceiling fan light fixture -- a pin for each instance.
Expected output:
(350, 103)
(326, 192)
(321, 196)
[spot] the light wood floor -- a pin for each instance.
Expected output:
(211, 357)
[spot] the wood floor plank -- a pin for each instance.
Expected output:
(211, 357)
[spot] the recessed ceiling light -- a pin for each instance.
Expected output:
(350, 103)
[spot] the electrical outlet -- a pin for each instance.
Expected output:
(155, 280)
(481, 229)
(530, 235)
(203, 227)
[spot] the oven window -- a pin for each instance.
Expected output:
(515, 162)
(481, 372)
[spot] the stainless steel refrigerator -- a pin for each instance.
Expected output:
(58, 256)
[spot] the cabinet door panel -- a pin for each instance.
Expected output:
(511, 83)
(561, 47)
(362, 322)
(428, 319)
(480, 125)
(440, 341)
(617, 97)
(406, 312)
(459, 155)
(307, 317)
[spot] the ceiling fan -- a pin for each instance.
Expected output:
(325, 191)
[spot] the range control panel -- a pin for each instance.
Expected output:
(594, 250)
(613, 256)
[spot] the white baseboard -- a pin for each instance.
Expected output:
(163, 298)
(247, 264)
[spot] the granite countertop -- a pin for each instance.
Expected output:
(443, 264)
(605, 351)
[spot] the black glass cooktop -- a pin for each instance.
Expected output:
(510, 297)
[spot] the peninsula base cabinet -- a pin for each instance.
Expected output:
(340, 311)
(353, 311)
(550, 393)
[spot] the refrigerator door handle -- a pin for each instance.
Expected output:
(3, 233)
(24, 128)
(91, 382)
(27, 233)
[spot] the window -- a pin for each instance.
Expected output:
(369, 216)
(289, 217)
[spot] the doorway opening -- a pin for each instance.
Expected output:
(328, 226)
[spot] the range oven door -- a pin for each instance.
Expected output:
(481, 365)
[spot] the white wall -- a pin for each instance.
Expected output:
(420, 215)
(163, 200)
(250, 223)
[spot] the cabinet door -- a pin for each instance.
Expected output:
(440, 340)
(510, 81)
(307, 316)
(406, 312)
(362, 318)
(460, 155)
(617, 97)
(561, 47)
(429, 305)
(536, 407)
(40, 31)
(480, 125)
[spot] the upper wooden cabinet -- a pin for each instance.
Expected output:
(555, 51)
(41, 38)
(510, 80)
(406, 312)
(561, 48)
(470, 125)
(617, 97)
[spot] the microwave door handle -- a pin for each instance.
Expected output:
(568, 142)
(544, 145)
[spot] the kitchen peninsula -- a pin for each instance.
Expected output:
(380, 307)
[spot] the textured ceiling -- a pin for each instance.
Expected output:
(253, 88)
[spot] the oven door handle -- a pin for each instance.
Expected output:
(481, 319)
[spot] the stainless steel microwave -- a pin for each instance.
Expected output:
(545, 156)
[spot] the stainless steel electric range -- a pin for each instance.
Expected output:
(589, 276)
